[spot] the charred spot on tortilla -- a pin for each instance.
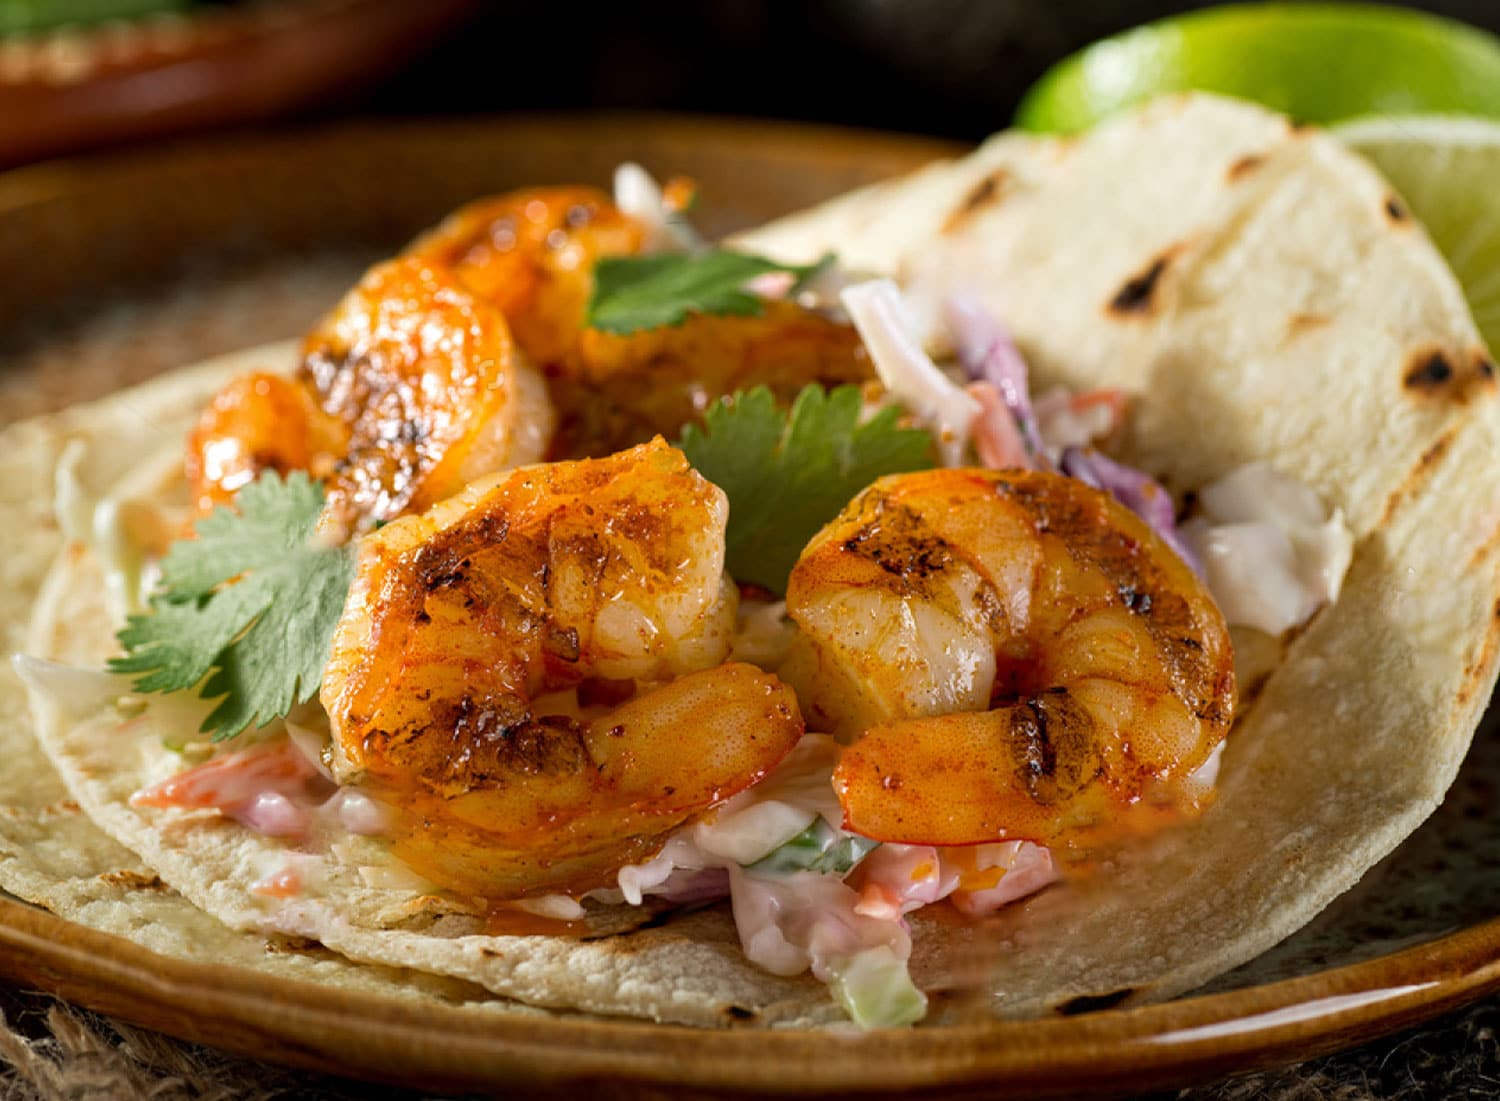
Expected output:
(1486, 549)
(1435, 451)
(1482, 371)
(1418, 473)
(1434, 371)
(131, 880)
(281, 943)
(1095, 1003)
(1428, 371)
(739, 1013)
(1396, 210)
(1478, 671)
(1135, 297)
(1300, 323)
(1245, 165)
(987, 192)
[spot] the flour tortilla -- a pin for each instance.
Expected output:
(1259, 291)
(51, 853)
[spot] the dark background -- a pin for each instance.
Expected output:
(954, 68)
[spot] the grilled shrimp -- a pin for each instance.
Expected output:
(1017, 655)
(429, 386)
(531, 254)
(259, 422)
(466, 624)
(410, 389)
(627, 388)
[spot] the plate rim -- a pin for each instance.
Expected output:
(1172, 1043)
(67, 176)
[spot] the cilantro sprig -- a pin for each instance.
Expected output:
(649, 292)
(246, 611)
(788, 473)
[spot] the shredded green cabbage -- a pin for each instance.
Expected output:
(876, 990)
(819, 848)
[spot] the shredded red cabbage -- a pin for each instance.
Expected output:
(686, 885)
(1136, 491)
(988, 354)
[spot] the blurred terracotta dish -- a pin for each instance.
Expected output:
(72, 89)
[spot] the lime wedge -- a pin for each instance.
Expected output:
(1316, 62)
(1446, 168)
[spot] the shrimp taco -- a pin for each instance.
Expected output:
(885, 676)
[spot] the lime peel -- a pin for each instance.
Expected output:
(1319, 63)
(1445, 166)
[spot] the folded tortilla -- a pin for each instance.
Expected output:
(1263, 295)
(51, 853)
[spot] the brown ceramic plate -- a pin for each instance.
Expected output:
(75, 88)
(119, 268)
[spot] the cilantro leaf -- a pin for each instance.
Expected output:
(250, 604)
(649, 292)
(788, 474)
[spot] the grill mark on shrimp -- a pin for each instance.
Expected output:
(492, 744)
(1164, 613)
(912, 563)
(416, 419)
(920, 557)
(1051, 743)
(894, 539)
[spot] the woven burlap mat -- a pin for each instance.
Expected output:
(50, 1051)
